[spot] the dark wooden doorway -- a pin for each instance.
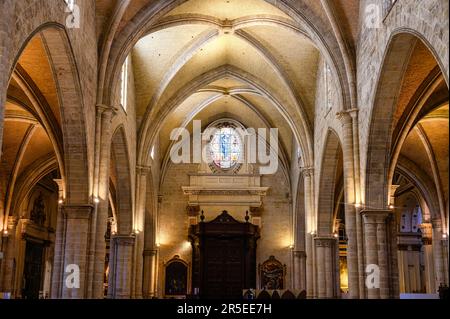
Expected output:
(224, 257)
(32, 273)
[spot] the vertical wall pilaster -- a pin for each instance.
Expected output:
(326, 267)
(307, 174)
(98, 253)
(359, 227)
(350, 212)
(440, 251)
(121, 266)
(77, 222)
(141, 191)
(375, 233)
(150, 260)
(7, 269)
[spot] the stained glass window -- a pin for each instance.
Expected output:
(225, 147)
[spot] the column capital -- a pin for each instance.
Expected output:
(324, 241)
(427, 233)
(12, 222)
(307, 171)
(375, 216)
(143, 169)
(353, 113)
(124, 240)
(299, 254)
(436, 224)
(150, 252)
(77, 211)
(344, 117)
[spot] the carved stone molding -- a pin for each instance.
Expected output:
(324, 241)
(124, 240)
(307, 171)
(150, 252)
(375, 216)
(77, 211)
(299, 254)
(258, 191)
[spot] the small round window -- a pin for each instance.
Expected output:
(225, 147)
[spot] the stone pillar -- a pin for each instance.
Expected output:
(440, 251)
(375, 233)
(58, 255)
(150, 263)
(99, 223)
(307, 174)
(7, 270)
(350, 212)
(141, 191)
(427, 241)
(392, 240)
(326, 268)
(359, 228)
(299, 270)
(121, 266)
(77, 220)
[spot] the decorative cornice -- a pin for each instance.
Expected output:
(324, 241)
(124, 240)
(375, 216)
(194, 190)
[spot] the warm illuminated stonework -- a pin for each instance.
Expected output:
(93, 204)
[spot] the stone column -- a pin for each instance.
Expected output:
(307, 174)
(350, 213)
(99, 225)
(326, 268)
(359, 229)
(121, 266)
(58, 255)
(150, 260)
(375, 232)
(427, 241)
(440, 246)
(141, 191)
(7, 270)
(75, 250)
(299, 270)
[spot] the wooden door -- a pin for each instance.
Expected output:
(224, 258)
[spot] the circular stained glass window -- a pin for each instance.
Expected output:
(225, 147)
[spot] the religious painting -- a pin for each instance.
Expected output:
(272, 273)
(176, 277)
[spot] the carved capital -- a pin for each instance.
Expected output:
(324, 241)
(77, 211)
(299, 254)
(344, 117)
(143, 170)
(307, 171)
(375, 216)
(149, 252)
(427, 231)
(354, 113)
(124, 240)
